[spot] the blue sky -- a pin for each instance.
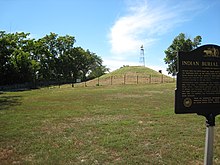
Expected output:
(115, 29)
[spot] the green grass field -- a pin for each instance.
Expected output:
(124, 124)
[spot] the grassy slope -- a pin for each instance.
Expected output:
(133, 70)
(144, 74)
(100, 125)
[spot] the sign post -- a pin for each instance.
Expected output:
(198, 88)
(210, 123)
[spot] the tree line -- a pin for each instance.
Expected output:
(51, 58)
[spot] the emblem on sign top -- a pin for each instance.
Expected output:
(211, 52)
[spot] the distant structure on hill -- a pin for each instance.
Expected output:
(142, 59)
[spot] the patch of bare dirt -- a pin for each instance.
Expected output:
(5, 153)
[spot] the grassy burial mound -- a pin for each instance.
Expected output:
(134, 70)
(130, 75)
(130, 124)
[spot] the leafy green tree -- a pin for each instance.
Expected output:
(65, 60)
(52, 57)
(15, 60)
(180, 43)
(91, 65)
(85, 64)
(5, 51)
(76, 60)
(22, 66)
(96, 68)
(48, 56)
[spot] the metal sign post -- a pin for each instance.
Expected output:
(210, 123)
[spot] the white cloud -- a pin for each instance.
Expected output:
(144, 24)
(114, 64)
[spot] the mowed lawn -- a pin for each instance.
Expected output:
(130, 124)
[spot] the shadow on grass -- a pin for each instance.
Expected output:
(8, 101)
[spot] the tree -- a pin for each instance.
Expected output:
(180, 43)
(96, 69)
(22, 66)
(52, 57)
(5, 51)
(15, 63)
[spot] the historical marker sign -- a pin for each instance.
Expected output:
(198, 81)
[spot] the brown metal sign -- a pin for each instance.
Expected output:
(198, 81)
